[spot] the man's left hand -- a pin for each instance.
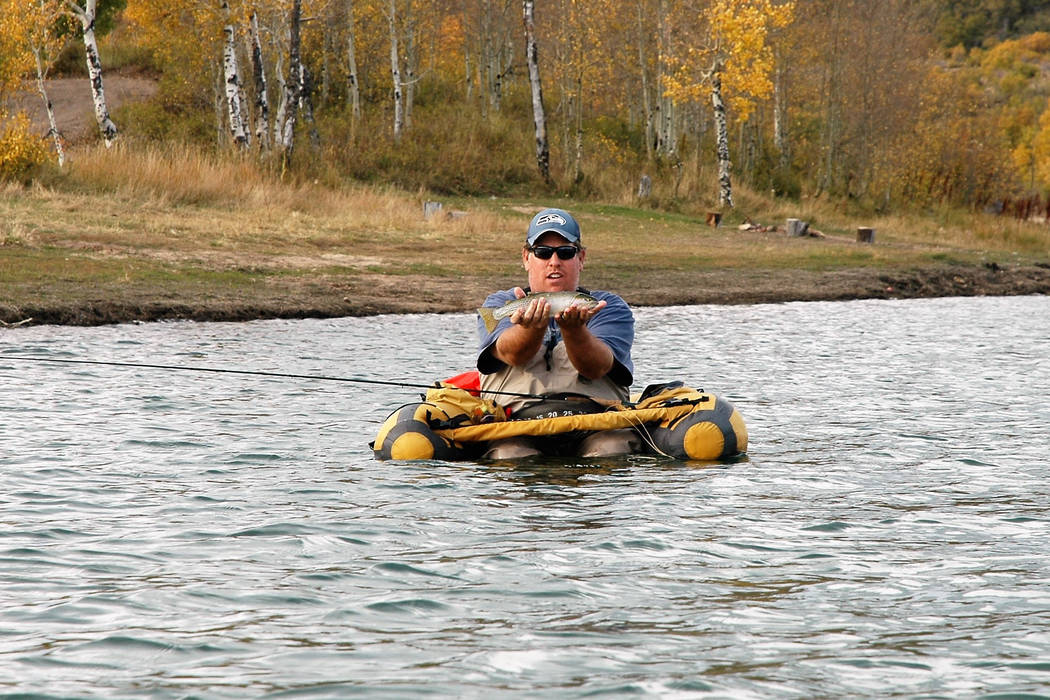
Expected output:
(578, 316)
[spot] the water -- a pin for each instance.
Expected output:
(178, 534)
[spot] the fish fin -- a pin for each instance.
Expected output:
(488, 317)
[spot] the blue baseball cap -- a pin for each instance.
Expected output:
(556, 221)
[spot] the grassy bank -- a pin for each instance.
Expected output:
(191, 236)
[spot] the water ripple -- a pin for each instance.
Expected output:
(206, 536)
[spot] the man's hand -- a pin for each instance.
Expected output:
(577, 316)
(533, 315)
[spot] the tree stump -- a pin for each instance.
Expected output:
(430, 209)
(865, 235)
(714, 218)
(645, 188)
(797, 227)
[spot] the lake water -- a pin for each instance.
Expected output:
(174, 534)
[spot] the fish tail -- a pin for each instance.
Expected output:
(488, 317)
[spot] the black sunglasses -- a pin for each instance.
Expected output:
(544, 252)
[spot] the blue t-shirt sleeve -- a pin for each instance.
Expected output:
(614, 325)
(487, 363)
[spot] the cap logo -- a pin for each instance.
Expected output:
(549, 219)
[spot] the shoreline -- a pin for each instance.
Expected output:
(376, 295)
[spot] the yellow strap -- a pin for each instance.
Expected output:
(610, 420)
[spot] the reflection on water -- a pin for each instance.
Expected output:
(169, 534)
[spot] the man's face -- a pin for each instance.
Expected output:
(553, 274)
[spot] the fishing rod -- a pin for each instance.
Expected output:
(218, 370)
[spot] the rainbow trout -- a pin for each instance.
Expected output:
(559, 301)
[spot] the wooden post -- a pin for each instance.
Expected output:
(865, 235)
(797, 227)
(714, 218)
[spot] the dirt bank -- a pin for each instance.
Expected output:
(324, 297)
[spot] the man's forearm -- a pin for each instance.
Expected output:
(518, 344)
(591, 357)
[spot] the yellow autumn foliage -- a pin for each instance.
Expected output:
(15, 58)
(20, 149)
(26, 27)
(1040, 151)
(734, 46)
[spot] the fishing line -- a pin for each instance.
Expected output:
(280, 375)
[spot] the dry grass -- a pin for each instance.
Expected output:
(154, 232)
(159, 198)
(185, 200)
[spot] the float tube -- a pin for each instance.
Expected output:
(453, 423)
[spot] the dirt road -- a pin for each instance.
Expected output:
(71, 99)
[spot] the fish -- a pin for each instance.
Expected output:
(559, 301)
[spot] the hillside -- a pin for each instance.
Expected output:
(71, 100)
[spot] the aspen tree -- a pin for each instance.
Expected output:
(488, 27)
(15, 58)
(233, 83)
(87, 15)
(262, 99)
(34, 32)
(666, 133)
(410, 26)
(857, 72)
(395, 72)
(353, 79)
(197, 42)
(20, 149)
(578, 39)
(643, 39)
(1039, 152)
(293, 86)
(538, 117)
(732, 59)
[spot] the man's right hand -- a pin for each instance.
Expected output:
(534, 315)
(522, 340)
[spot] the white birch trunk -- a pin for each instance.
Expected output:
(669, 127)
(219, 111)
(647, 105)
(326, 71)
(488, 58)
(395, 73)
(539, 118)
(577, 163)
(498, 74)
(86, 15)
(780, 136)
(293, 86)
(832, 117)
(700, 124)
(53, 132)
(262, 98)
(725, 185)
(566, 108)
(282, 104)
(306, 105)
(467, 74)
(353, 80)
(662, 118)
(232, 81)
(411, 62)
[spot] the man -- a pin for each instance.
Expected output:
(579, 351)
